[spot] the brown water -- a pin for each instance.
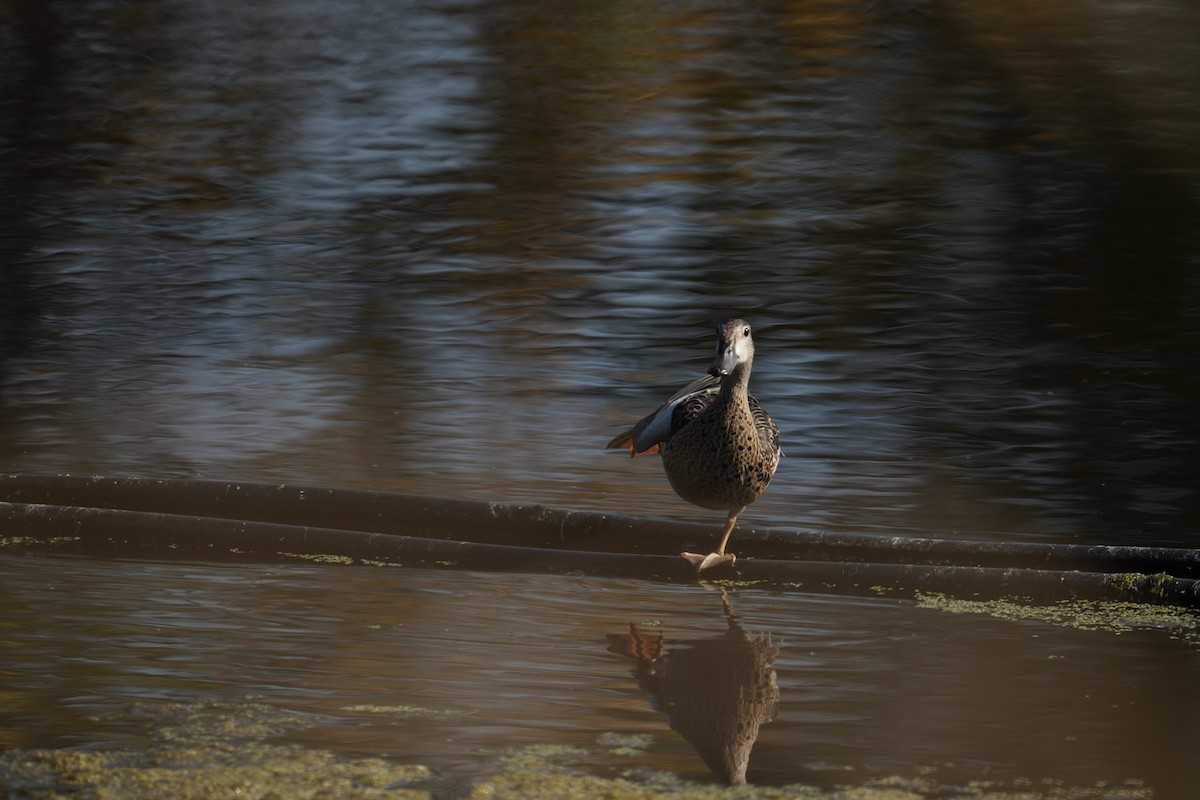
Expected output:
(452, 669)
(452, 247)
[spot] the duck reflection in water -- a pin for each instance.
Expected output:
(715, 692)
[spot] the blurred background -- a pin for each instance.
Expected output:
(453, 246)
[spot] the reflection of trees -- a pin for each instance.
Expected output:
(973, 224)
(28, 69)
(1065, 372)
(715, 692)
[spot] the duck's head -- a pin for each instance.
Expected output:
(735, 348)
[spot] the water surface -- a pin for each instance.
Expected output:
(453, 670)
(451, 247)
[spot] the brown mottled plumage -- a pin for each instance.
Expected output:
(719, 447)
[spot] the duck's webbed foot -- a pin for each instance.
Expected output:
(710, 561)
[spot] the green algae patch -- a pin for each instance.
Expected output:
(216, 723)
(270, 772)
(538, 785)
(553, 772)
(318, 558)
(45, 541)
(1089, 615)
(740, 583)
(402, 710)
(373, 562)
(544, 758)
(265, 771)
(542, 784)
(625, 744)
(1136, 584)
(205, 752)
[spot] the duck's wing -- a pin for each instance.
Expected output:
(766, 427)
(655, 428)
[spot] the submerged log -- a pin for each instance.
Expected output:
(221, 521)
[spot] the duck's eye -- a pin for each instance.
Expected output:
(746, 331)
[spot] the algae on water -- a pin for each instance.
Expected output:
(1089, 615)
(545, 772)
(205, 751)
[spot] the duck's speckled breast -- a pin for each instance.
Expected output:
(720, 458)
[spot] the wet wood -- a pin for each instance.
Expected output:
(223, 521)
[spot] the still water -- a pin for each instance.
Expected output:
(452, 670)
(451, 247)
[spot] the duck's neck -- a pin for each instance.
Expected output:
(735, 387)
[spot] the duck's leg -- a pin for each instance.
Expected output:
(718, 556)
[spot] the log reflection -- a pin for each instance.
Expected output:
(715, 692)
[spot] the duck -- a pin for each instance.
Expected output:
(719, 447)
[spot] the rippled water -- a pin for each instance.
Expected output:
(452, 246)
(453, 669)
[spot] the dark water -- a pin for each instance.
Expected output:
(452, 247)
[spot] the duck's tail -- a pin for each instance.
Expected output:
(626, 440)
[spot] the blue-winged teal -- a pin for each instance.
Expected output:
(719, 448)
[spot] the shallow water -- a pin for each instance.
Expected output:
(454, 669)
(451, 247)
